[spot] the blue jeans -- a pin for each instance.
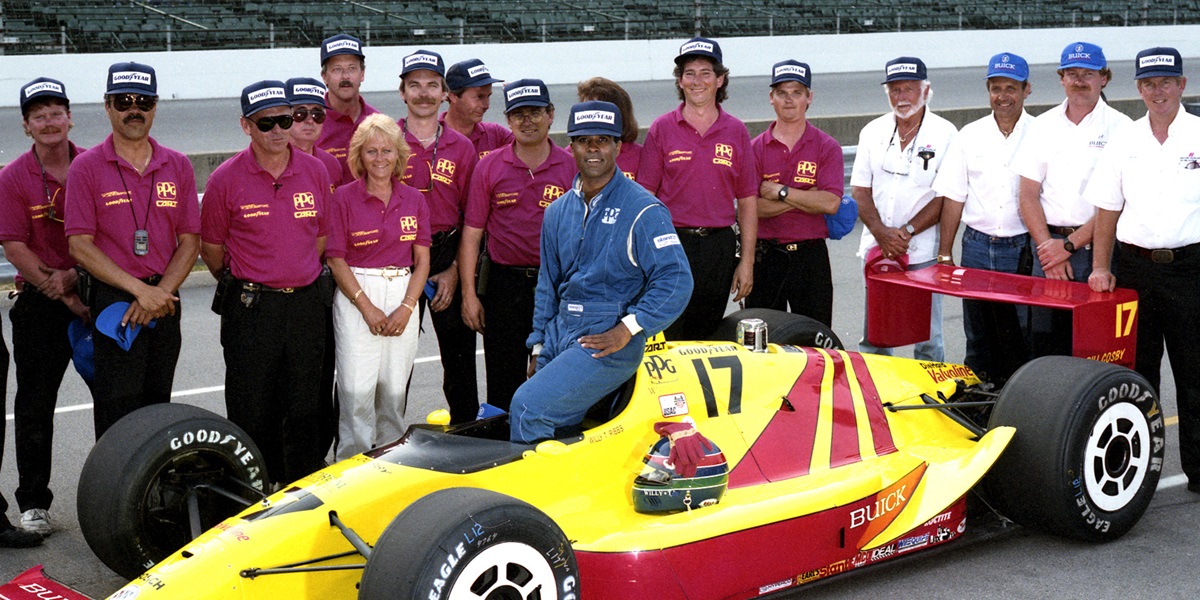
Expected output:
(930, 350)
(561, 391)
(995, 332)
(1050, 329)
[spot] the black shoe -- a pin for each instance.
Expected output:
(1194, 487)
(19, 538)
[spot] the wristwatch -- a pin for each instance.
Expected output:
(1068, 245)
(783, 192)
(909, 229)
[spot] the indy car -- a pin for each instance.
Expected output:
(817, 462)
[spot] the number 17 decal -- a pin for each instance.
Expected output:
(735, 382)
(1126, 315)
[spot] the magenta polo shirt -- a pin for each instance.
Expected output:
(486, 136)
(25, 211)
(443, 176)
(336, 133)
(508, 201)
(269, 233)
(815, 162)
(332, 166)
(698, 177)
(367, 233)
(630, 159)
(109, 200)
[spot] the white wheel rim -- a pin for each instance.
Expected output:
(500, 557)
(1118, 456)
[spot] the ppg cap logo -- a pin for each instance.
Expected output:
(166, 190)
(266, 94)
(131, 77)
(596, 116)
(304, 201)
(45, 86)
(308, 89)
(478, 70)
(420, 59)
(521, 92)
(791, 70)
(341, 45)
(901, 68)
(691, 47)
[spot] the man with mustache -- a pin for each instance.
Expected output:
(898, 157)
(31, 230)
(263, 230)
(440, 167)
(470, 84)
(133, 222)
(343, 68)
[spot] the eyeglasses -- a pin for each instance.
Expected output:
(266, 124)
(301, 115)
(533, 116)
(124, 102)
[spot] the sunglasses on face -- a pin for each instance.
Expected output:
(266, 124)
(124, 102)
(301, 115)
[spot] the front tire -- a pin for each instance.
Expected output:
(471, 544)
(1088, 451)
(782, 328)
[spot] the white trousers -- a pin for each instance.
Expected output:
(372, 370)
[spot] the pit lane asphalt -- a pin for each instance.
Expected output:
(1158, 558)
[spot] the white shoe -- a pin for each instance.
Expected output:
(37, 520)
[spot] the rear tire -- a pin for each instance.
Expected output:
(1088, 450)
(782, 328)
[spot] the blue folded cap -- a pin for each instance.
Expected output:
(843, 221)
(109, 323)
(487, 411)
(79, 334)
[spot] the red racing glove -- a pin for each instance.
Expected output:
(688, 446)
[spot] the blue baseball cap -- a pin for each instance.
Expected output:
(1007, 64)
(132, 78)
(525, 92)
(595, 117)
(263, 95)
(699, 46)
(905, 68)
(109, 324)
(423, 60)
(79, 334)
(1159, 62)
(1084, 56)
(791, 70)
(43, 87)
(469, 73)
(341, 43)
(305, 90)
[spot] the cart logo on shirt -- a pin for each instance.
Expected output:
(724, 155)
(549, 194)
(306, 205)
(443, 171)
(806, 172)
(167, 192)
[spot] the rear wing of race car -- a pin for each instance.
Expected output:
(1104, 325)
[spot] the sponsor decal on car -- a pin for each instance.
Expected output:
(673, 405)
(883, 552)
(912, 543)
(942, 518)
(774, 587)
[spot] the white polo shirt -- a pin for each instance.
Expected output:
(976, 174)
(901, 181)
(1061, 155)
(1156, 185)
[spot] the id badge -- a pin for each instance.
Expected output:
(141, 242)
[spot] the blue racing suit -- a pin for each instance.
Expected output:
(614, 259)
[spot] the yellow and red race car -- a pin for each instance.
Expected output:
(821, 461)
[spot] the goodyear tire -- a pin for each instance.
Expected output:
(1088, 449)
(782, 328)
(466, 543)
(134, 487)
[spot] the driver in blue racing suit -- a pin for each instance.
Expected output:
(612, 274)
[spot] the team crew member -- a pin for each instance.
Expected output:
(264, 229)
(698, 161)
(1055, 162)
(510, 190)
(612, 274)
(470, 85)
(899, 155)
(606, 90)
(802, 174)
(1146, 189)
(10, 537)
(133, 222)
(343, 68)
(440, 167)
(982, 194)
(31, 229)
(307, 97)
(379, 253)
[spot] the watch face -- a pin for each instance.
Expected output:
(783, 193)
(910, 229)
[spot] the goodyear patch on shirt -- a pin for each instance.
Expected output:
(669, 239)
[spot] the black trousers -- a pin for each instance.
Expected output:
(1169, 302)
(793, 277)
(4, 522)
(712, 258)
(42, 352)
(141, 376)
(273, 354)
(508, 315)
(456, 341)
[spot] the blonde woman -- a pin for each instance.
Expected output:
(379, 252)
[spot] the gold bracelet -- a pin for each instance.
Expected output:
(414, 300)
(412, 308)
(354, 298)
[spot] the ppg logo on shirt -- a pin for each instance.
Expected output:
(723, 155)
(167, 191)
(550, 193)
(610, 216)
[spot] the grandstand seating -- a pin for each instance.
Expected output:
(30, 26)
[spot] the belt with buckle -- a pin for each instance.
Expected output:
(1057, 230)
(530, 272)
(701, 231)
(250, 286)
(388, 273)
(794, 246)
(442, 237)
(1163, 256)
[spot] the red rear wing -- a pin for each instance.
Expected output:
(1104, 324)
